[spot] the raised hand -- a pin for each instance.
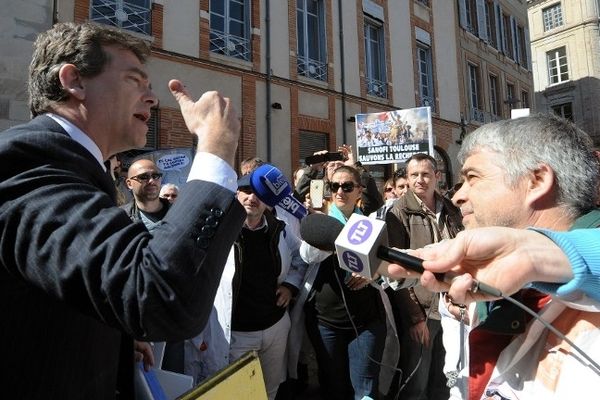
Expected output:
(212, 118)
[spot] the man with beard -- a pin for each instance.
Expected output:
(143, 179)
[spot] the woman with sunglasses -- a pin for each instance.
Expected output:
(389, 191)
(345, 319)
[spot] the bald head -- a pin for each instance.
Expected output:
(143, 179)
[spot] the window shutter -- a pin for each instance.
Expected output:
(311, 142)
(528, 48)
(513, 38)
(481, 22)
(462, 12)
(499, 35)
(153, 128)
(503, 28)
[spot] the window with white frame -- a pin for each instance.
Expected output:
(553, 17)
(230, 28)
(494, 95)
(471, 16)
(523, 43)
(511, 100)
(310, 25)
(132, 15)
(558, 70)
(490, 22)
(425, 68)
(476, 113)
(507, 36)
(375, 58)
(524, 99)
(564, 110)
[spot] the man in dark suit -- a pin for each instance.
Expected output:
(78, 279)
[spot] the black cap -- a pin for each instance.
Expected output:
(244, 181)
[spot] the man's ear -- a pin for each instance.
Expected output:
(128, 183)
(541, 185)
(71, 81)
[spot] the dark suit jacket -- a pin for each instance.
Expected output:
(78, 279)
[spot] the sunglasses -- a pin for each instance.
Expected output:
(146, 177)
(347, 187)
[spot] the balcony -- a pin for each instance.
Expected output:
(122, 14)
(376, 88)
(229, 45)
(483, 117)
(312, 68)
(428, 101)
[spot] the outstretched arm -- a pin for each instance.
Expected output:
(509, 259)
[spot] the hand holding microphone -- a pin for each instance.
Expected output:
(361, 246)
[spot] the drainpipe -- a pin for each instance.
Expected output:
(54, 12)
(268, 79)
(342, 72)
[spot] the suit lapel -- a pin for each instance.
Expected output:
(102, 179)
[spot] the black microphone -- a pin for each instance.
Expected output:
(361, 244)
(320, 231)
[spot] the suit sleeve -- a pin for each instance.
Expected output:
(67, 238)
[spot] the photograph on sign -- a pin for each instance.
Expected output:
(393, 136)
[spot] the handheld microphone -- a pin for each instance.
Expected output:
(361, 246)
(272, 188)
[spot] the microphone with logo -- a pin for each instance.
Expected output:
(272, 188)
(361, 247)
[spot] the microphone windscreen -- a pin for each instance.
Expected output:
(272, 188)
(320, 231)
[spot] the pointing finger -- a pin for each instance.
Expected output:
(179, 92)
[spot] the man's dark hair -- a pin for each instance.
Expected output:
(421, 157)
(77, 44)
(399, 173)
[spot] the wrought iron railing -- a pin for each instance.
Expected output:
(312, 68)
(123, 14)
(484, 117)
(477, 115)
(428, 101)
(230, 45)
(376, 87)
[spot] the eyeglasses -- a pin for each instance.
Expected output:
(146, 177)
(347, 187)
(169, 196)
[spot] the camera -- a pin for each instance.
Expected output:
(319, 158)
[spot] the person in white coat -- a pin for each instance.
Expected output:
(262, 274)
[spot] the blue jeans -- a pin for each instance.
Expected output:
(345, 370)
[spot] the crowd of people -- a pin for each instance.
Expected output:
(91, 280)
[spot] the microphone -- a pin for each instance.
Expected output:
(361, 246)
(272, 188)
(320, 231)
